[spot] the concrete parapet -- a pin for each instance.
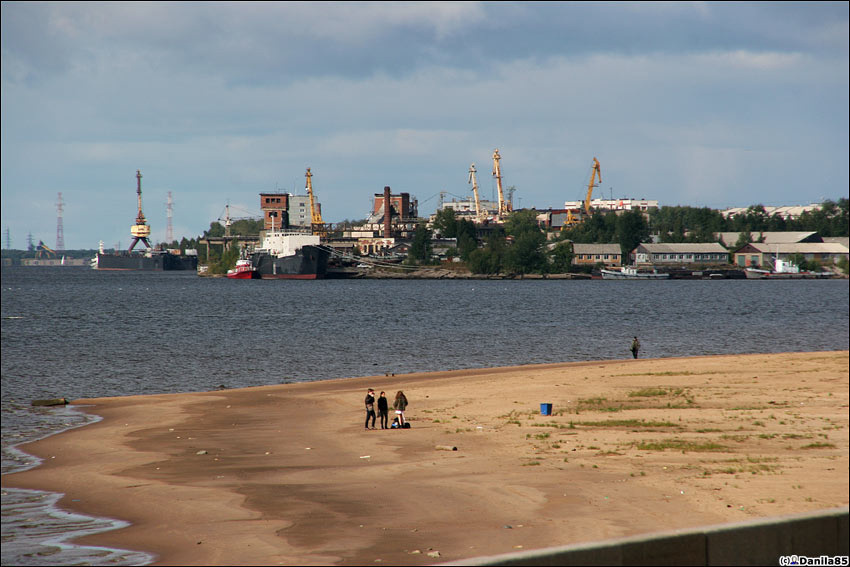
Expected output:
(754, 542)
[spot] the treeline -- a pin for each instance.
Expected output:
(690, 224)
(521, 246)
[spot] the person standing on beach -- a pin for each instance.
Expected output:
(383, 410)
(399, 405)
(635, 347)
(370, 407)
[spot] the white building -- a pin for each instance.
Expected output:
(789, 212)
(644, 205)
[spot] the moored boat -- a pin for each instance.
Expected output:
(243, 271)
(632, 273)
(783, 270)
(288, 254)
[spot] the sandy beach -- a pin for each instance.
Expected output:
(287, 475)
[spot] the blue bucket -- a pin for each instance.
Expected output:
(545, 409)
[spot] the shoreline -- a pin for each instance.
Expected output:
(286, 473)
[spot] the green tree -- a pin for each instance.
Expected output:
(466, 245)
(488, 260)
(445, 223)
(526, 253)
(421, 249)
(227, 260)
(216, 230)
(561, 257)
(632, 229)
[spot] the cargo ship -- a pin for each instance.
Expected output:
(155, 260)
(286, 254)
(150, 259)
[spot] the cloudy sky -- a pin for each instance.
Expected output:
(700, 104)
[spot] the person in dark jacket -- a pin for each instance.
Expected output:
(370, 407)
(399, 405)
(635, 347)
(383, 410)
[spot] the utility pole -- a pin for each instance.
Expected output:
(60, 229)
(169, 231)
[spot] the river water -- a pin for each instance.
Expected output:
(74, 332)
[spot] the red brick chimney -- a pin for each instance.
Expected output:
(387, 213)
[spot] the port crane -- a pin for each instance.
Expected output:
(140, 231)
(228, 220)
(595, 173)
(504, 206)
(44, 251)
(479, 215)
(316, 223)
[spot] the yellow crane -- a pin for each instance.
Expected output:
(478, 214)
(316, 223)
(140, 231)
(596, 172)
(504, 206)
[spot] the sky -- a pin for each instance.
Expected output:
(695, 103)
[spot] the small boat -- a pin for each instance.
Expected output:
(244, 270)
(632, 273)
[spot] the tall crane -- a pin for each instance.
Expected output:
(316, 223)
(140, 231)
(504, 206)
(478, 214)
(596, 172)
(571, 220)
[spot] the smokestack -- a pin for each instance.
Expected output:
(387, 212)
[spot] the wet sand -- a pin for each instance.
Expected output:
(287, 474)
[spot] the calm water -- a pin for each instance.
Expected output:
(73, 332)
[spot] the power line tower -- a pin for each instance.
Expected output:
(8, 239)
(169, 231)
(60, 229)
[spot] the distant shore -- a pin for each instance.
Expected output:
(287, 474)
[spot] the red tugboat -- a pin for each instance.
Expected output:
(243, 271)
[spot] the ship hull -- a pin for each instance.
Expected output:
(154, 262)
(308, 263)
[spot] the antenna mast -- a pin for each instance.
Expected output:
(60, 229)
(169, 208)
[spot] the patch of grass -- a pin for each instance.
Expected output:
(532, 464)
(626, 423)
(669, 373)
(737, 438)
(648, 392)
(708, 430)
(681, 445)
(818, 446)
(795, 436)
(514, 422)
(548, 424)
(591, 401)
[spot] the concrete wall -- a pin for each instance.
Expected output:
(756, 542)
